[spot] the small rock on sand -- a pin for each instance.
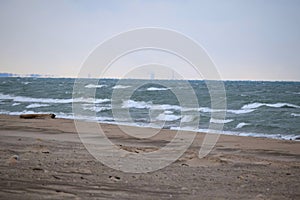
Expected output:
(13, 160)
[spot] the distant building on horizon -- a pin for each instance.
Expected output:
(152, 75)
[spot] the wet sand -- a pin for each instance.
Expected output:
(44, 159)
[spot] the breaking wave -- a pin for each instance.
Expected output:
(36, 105)
(156, 89)
(94, 86)
(220, 121)
(275, 105)
(49, 100)
(164, 117)
(135, 104)
(296, 114)
(120, 86)
(241, 125)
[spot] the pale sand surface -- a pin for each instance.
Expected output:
(53, 164)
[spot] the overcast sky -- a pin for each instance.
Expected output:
(247, 39)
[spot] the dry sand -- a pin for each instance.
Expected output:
(44, 159)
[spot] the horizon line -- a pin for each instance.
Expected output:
(34, 75)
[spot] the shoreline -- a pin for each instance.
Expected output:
(53, 163)
(291, 137)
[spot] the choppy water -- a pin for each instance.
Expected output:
(263, 109)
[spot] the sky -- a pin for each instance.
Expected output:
(246, 39)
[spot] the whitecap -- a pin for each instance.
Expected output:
(165, 107)
(94, 86)
(220, 121)
(49, 100)
(148, 105)
(135, 104)
(36, 105)
(296, 114)
(121, 86)
(100, 100)
(164, 117)
(241, 125)
(168, 112)
(209, 110)
(187, 118)
(274, 105)
(205, 110)
(25, 83)
(16, 104)
(156, 89)
(240, 111)
(94, 108)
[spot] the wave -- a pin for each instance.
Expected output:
(5, 112)
(240, 111)
(49, 100)
(220, 121)
(16, 104)
(94, 108)
(36, 105)
(94, 86)
(149, 105)
(156, 89)
(275, 105)
(164, 117)
(241, 125)
(135, 104)
(206, 110)
(110, 120)
(25, 83)
(188, 118)
(120, 86)
(296, 114)
(261, 135)
(165, 107)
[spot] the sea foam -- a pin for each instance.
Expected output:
(156, 89)
(188, 118)
(49, 100)
(241, 125)
(164, 117)
(94, 108)
(295, 114)
(36, 105)
(274, 105)
(94, 86)
(135, 104)
(121, 86)
(220, 121)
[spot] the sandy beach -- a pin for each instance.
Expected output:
(44, 159)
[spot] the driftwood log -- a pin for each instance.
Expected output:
(37, 116)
